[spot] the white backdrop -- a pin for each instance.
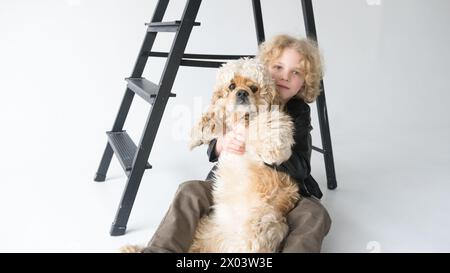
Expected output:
(62, 65)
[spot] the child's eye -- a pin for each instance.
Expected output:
(297, 73)
(277, 67)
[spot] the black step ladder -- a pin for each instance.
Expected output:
(134, 159)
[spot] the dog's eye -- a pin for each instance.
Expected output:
(232, 86)
(254, 88)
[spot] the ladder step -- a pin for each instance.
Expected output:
(165, 26)
(144, 88)
(124, 148)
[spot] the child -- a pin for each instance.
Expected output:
(295, 66)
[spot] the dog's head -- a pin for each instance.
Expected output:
(240, 95)
(244, 85)
(243, 88)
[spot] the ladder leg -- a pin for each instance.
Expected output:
(257, 15)
(326, 140)
(119, 225)
(100, 175)
(310, 26)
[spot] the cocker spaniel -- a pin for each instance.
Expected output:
(251, 199)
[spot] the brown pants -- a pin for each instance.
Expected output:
(308, 222)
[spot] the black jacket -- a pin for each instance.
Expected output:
(298, 165)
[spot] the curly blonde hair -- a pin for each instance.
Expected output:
(311, 63)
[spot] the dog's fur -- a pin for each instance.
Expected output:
(251, 200)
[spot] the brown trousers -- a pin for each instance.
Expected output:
(308, 222)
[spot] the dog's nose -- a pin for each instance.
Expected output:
(242, 94)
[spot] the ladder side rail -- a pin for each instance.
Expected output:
(154, 117)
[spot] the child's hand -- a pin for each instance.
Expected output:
(233, 141)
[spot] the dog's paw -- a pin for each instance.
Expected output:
(131, 249)
(274, 136)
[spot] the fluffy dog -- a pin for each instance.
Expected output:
(251, 199)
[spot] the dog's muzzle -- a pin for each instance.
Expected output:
(242, 97)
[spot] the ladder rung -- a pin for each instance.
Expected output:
(165, 26)
(144, 88)
(200, 63)
(318, 149)
(124, 148)
(198, 56)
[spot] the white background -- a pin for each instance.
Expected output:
(62, 65)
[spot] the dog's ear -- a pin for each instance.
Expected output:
(197, 137)
(270, 96)
(208, 128)
(211, 123)
(218, 95)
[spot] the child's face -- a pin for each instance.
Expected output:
(287, 74)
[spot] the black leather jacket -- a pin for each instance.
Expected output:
(298, 165)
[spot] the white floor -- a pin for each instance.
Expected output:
(62, 82)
